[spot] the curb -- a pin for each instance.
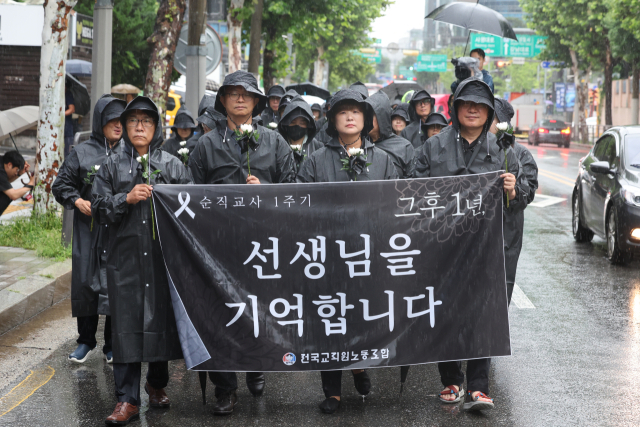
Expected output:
(34, 294)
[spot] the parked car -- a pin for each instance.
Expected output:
(606, 196)
(550, 132)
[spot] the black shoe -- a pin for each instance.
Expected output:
(362, 383)
(225, 404)
(330, 405)
(255, 383)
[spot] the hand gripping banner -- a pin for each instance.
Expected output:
(323, 276)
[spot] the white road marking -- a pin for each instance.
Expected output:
(520, 299)
(546, 201)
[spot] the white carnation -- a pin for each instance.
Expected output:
(273, 125)
(139, 159)
(296, 148)
(183, 151)
(503, 126)
(183, 143)
(97, 167)
(246, 128)
(356, 151)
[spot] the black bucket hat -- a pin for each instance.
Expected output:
(249, 83)
(316, 107)
(360, 88)
(349, 96)
(184, 120)
(504, 110)
(141, 103)
(275, 91)
(402, 110)
(436, 119)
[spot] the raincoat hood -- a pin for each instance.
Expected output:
(361, 89)
(207, 115)
(436, 119)
(316, 107)
(297, 107)
(275, 91)
(184, 120)
(148, 106)
(349, 96)
(106, 109)
(473, 90)
(289, 95)
(418, 95)
(249, 83)
(402, 110)
(504, 110)
(381, 106)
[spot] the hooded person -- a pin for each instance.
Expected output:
(183, 129)
(317, 111)
(207, 118)
(298, 128)
(259, 156)
(420, 106)
(143, 324)
(466, 148)
(361, 89)
(72, 189)
(270, 113)
(514, 219)
(435, 123)
(400, 118)
(350, 121)
(399, 149)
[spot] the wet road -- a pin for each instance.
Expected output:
(575, 329)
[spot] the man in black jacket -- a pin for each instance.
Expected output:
(270, 114)
(72, 189)
(298, 128)
(420, 106)
(183, 128)
(223, 157)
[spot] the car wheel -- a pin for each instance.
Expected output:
(615, 255)
(536, 141)
(567, 144)
(581, 233)
(560, 145)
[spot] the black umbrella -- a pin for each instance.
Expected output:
(474, 17)
(397, 90)
(81, 98)
(308, 88)
(78, 67)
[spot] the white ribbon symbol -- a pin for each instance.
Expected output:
(184, 206)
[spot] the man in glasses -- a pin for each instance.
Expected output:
(222, 157)
(420, 106)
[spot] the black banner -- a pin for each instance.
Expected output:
(343, 275)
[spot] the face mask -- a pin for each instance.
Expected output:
(296, 132)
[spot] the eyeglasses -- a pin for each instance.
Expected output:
(423, 102)
(133, 123)
(474, 105)
(234, 96)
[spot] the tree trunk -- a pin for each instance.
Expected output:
(197, 12)
(634, 94)
(235, 36)
(318, 73)
(608, 85)
(268, 72)
(256, 35)
(578, 108)
(53, 56)
(163, 43)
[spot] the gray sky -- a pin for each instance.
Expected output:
(398, 19)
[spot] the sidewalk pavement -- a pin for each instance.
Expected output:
(29, 285)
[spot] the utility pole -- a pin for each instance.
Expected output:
(196, 55)
(101, 51)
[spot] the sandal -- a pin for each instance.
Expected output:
(472, 403)
(451, 390)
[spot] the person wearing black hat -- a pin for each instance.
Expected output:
(317, 111)
(399, 149)
(361, 89)
(397, 101)
(514, 219)
(270, 114)
(420, 106)
(466, 148)
(298, 128)
(183, 128)
(221, 157)
(72, 191)
(435, 123)
(349, 124)
(400, 118)
(207, 118)
(143, 323)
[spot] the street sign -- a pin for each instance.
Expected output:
(518, 60)
(213, 45)
(432, 63)
(406, 73)
(527, 46)
(371, 55)
(551, 64)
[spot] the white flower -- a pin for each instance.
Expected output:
(296, 148)
(97, 167)
(183, 143)
(139, 159)
(356, 151)
(183, 151)
(246, 128)
(273, 125)
(503, 126)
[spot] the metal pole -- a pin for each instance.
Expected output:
(101, 51)
(545, 91)
(196, 55)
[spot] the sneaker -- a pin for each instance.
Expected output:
(81, 353)
(108, 357)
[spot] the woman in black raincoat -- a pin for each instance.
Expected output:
(72, 189)
(325, 166)
(143, 322)
(466, 148)
(420, 106)
(298, 128)
(400, 118)
(223, 157)
(183, 129)
(399, 149)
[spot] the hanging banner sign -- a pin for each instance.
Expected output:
(346, 275)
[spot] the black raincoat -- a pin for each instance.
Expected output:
(143, 324)
(88, 277)
(268, 115)
(361, 89)
(296, 108)
(399, 149)
(415, 132)
(322, 134)
(183, 120)
(207, 115)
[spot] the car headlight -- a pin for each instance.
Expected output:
(631, 195)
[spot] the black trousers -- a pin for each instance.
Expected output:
(331, 383)
(87, 328)
(127, 379)
(477, 374)
(227, 382)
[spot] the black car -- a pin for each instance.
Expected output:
(550, 132)
(606, 197)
